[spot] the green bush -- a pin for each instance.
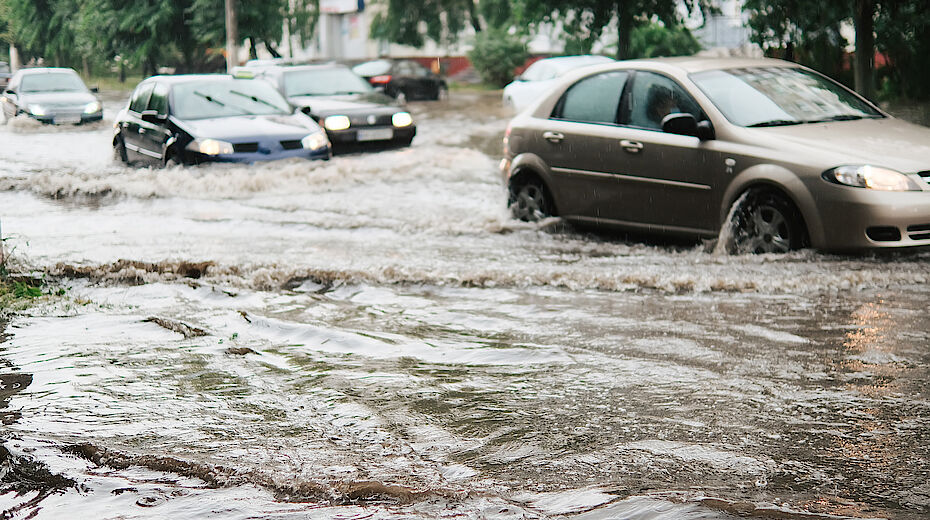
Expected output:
(496, 55)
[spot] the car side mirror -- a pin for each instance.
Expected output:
(680, 124)
(9, 92)
(95, 90)
(705, 131)
(153, 117)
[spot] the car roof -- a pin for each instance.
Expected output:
(45, 70)
(691, 64)
(174, 79)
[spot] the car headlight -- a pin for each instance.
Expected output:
(336, 123)
(315, 141)
(93, 107)
(871, 177)
(37, 110)
(210, 146)
(401, 119)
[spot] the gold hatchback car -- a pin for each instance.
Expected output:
(780, 155)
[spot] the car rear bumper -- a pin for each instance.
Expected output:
(857, 218)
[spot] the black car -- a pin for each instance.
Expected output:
(50, 95)
(351, 111)
(403, 79)
(213, 117)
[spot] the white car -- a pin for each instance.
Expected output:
(539, 77)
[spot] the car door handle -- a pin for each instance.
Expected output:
(631, 146)
(553, 137)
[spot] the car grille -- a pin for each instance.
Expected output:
(245, 147)
(921, 232)
(363, 120)
(291, 145)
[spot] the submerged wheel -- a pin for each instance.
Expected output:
(401, 97)
(764, 221)
(442, 93)
(119, 150)
(173, 158)
(531, 202)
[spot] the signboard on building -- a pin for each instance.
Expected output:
(341, 6)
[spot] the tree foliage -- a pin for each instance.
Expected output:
(496, 54)
(655, 40)
(185, 34)
(443, 21)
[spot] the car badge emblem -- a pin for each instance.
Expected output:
(372, 119)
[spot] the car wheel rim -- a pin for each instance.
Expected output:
(530, 203)
(766, 231)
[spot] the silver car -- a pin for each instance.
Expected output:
(777, 155)
(50, 95)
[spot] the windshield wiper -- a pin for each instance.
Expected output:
(776, 122)
(210, 98)
(843, 117)
(256, 99)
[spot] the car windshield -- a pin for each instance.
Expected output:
(52, 82)
(324, 82)
(225, 98)
(372, 68)
(779, 96)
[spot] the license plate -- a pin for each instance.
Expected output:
(377, 134)
(68, 120)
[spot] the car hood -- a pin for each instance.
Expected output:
(250, 128)
(58, 99)
(887, 142)
(328, 105)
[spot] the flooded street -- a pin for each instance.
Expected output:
(374, 337)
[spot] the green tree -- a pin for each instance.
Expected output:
(654, 40)
(496, 54)
(584, 21)
(444, 20)
(903, 35)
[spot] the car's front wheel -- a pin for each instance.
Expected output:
(764, 221)
(530, 201)
(119, 150)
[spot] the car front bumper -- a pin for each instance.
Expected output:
(373, 136)
(252, 157)
(858, 219)
(67, 118)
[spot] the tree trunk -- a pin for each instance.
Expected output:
(865, 47)
(625, 24)
(473, 16)
(232, 36)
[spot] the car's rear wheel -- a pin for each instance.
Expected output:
(764, 221)
(530, 201)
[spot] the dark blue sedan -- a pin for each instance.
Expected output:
(190, 119)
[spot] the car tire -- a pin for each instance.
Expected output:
(530, 201)
(763, 221)
(442, 93)
(119, 150)
(173, 158)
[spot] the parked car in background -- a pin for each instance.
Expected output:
(403, 80)
(50, 95)
(213, 117)
(542, 75)
(345, 105)
(779, 154)
(4, 75)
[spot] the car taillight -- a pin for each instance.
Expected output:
(380, 80)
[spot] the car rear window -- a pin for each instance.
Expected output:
(594, 99)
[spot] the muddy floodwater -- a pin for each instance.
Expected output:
(374, 337)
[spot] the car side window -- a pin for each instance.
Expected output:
(140, 98)
(594, 99)
(159, 99)
(654, 96)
